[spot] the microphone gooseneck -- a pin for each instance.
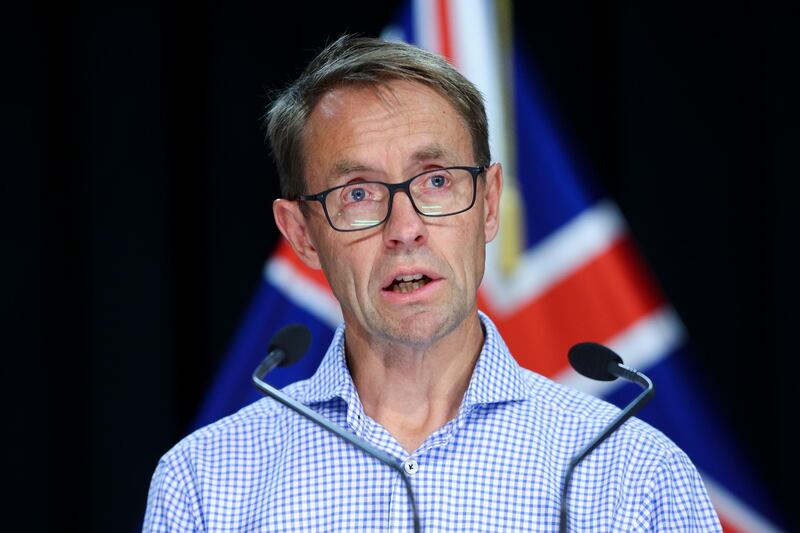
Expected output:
(288, 346)
(598, 362)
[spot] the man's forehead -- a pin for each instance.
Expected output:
(425, 154)
(348, 117)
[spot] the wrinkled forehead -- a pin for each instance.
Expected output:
(352, 123)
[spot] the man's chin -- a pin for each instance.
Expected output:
(421, 328)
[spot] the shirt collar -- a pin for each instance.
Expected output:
(497, 376)
(332, 378)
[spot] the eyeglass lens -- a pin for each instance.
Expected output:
(439, 192)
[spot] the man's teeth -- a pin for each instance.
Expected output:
(409, 283)
(412, 277)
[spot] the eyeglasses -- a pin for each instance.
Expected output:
(365, 204)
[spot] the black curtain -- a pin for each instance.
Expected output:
(136, 205)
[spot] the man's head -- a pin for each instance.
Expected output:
(412, 279)
(364, 62)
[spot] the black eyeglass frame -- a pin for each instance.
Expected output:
(393, 188)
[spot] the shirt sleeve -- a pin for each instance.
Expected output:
(676, 499)
(172, 505)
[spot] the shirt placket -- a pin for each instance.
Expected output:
(400, 515)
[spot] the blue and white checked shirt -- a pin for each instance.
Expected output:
(497, 466)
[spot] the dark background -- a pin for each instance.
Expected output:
(136, 197)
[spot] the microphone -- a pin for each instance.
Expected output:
(286, 347)
(598, 362)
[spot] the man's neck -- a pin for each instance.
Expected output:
(413, 391)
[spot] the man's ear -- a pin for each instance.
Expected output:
(294, 227)
(491, 200)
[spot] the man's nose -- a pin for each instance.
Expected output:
(405, 227)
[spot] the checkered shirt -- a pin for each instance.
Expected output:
(497, 466)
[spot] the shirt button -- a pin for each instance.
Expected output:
(411, 466)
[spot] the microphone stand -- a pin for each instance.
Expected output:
(628, 374)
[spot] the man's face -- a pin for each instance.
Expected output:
(390, 134)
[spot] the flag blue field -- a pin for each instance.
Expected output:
(564, 268)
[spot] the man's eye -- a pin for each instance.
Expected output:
(437, 181)
(355, 194)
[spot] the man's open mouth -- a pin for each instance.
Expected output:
(408, 283)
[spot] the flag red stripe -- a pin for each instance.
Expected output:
(445, 38)
(726, 526)
(598, 301)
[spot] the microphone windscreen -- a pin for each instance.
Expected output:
(591, 360)
(293, 341)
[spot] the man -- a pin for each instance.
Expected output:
(389, 188)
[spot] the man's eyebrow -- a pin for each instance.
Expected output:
(346, 166)
(434, 151)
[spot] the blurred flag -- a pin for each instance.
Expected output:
(563, 269)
